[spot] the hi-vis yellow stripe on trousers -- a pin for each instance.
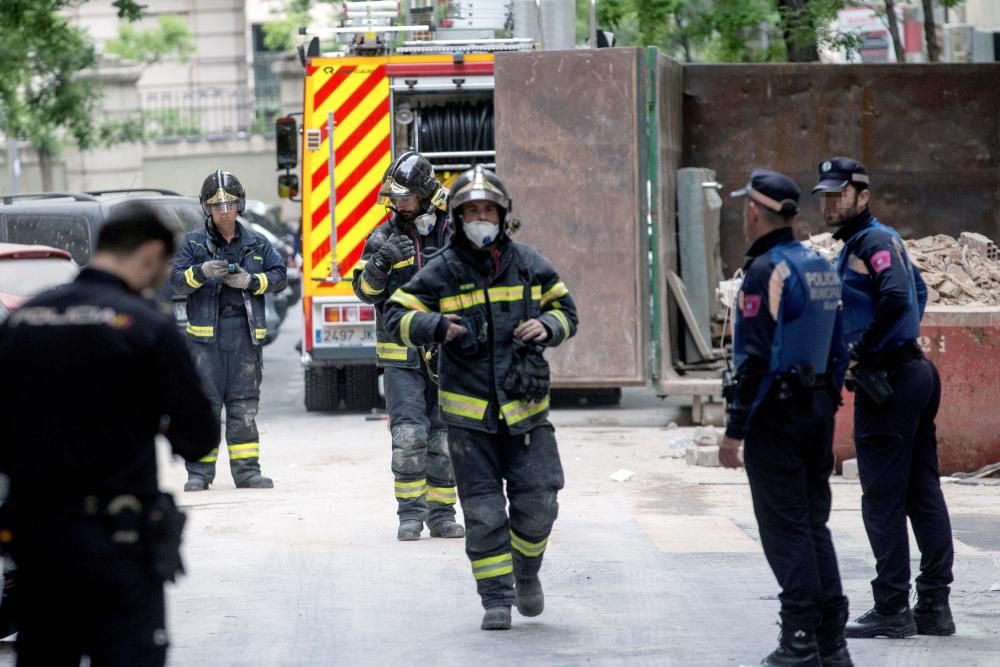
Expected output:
(529, 549)
(246, 450)
(211, 457)
(494, 566)
(414, 489)
(446, 495)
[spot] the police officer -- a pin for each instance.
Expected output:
(896, 396)
(495, 305)
(225, 269)
(92, 373)
(394, 252)
(790, 363)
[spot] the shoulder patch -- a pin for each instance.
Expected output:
(881, 261)
(750, 305)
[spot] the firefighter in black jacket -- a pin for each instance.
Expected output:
(93, 538)
(394, 252)
(494, 305)
(225, 269)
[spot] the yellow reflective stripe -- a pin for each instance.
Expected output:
(529, 549)
(211, 457)
(261, 334)
(450, 304)
(367, 288)
(563, 320)
(391, 351)
(494, 566)
(407, 490)
(446, 495)
(509, 293)
(463, 406)
(405, 263)
(536, 292)
(407, 300)
(518, 411)
(404, 327)
(246, 450)
(360, 265)
(200, 332)
(262, 279)
(191, 280)
(557, 291)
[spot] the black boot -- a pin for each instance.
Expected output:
(933, 616)
(496, 618)
(893, 624)
(830, 635)
(447, 528)
(529, 596)
(196, 484)
(257, 481)
(409, 530)
(796, 648)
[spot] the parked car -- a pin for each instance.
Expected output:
(26, 270)
(72, 220)
(258, 213)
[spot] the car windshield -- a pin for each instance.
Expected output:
(27, 277)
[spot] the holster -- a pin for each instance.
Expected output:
(164, 524)
(873, 382)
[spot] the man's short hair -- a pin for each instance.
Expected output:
(132, 225)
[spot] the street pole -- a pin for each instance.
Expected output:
(13, 166)
(592, 20)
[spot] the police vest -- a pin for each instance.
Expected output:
(861, 292)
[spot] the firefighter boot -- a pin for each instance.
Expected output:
(796, 648)
(196, 484)
(527, 588)
(830, 635)
(933, 616)
(894, 624)
(496, 618)
(409, 530)
(447, 528)
(258, 481)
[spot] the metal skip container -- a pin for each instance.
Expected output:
(964, 344)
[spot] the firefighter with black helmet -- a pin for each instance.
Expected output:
(494, 306)
(393, 253)
(225, 269)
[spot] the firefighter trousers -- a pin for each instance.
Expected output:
(424, 479)
(230, 369)
(501, 547)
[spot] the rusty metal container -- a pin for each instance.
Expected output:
(964, 344)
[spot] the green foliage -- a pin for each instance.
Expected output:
(281, 34)
(171, 37)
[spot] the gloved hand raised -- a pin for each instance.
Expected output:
(215, 268)
(396, 249)
(238, 280)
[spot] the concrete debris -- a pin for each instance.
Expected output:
(958, 272)
(995, 587)
(622, 475)
(707, 437)
(707, 457)
(849, 469)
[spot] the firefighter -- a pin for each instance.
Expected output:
(93, 538)
(225, 269)
(393, 253)
(494, 305)
(896, 396)
(790, 364)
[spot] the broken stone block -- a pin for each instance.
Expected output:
(849, 469)
(707, 437)
(949, 290)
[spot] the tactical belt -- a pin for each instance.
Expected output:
(908, 351)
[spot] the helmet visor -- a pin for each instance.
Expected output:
(225, 206)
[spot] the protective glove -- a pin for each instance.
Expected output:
(239, 280)
(396, 249)
(528, 378)
(215, 268)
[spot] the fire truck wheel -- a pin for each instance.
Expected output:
(322, 390)
(361, 388)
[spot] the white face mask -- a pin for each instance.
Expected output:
(481, 233)
(425, 223)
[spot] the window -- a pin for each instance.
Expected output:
(68, 232)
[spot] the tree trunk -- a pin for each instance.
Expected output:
(897, 43)
(930, 33)
(45, 167)
(793, 12)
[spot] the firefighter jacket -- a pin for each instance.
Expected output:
(788, 319)
(884, 295)
(256, 256)
(492, 293)
(373, 284)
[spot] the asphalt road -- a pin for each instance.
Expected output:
(664, 569)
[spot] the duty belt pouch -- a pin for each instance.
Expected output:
(164, 526)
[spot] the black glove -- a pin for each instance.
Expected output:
(528, 378)
(395, 249)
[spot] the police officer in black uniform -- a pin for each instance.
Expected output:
(494, 305)
(896, 396)
(225, 269)
(790, 363)
(393, 253)
(92, 373)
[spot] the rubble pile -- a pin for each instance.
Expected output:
(958, 272)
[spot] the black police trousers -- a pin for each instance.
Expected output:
(424, 480)
(788, 455)
(896, 445)
(80, 594)
(230, 369)
(499, 547)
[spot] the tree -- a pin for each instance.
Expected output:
(170, 38)
(42, 96)
(930, 28)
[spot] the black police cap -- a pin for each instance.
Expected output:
(837, 172)
(772, 190)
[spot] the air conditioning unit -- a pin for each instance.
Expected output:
(986, 46)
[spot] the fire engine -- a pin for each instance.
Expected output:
(396, 84)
